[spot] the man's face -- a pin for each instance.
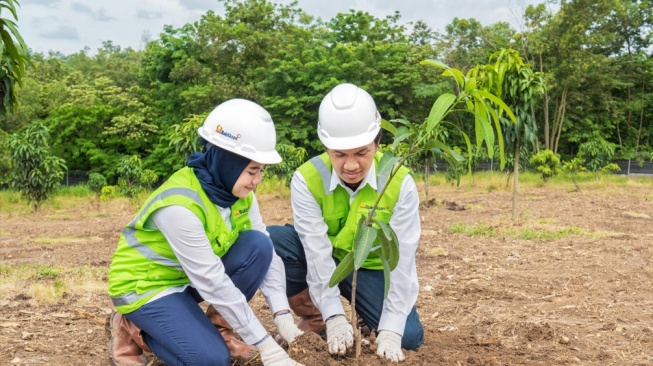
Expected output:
(353, 164)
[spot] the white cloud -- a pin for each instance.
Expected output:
(48, 24)
(63, 32)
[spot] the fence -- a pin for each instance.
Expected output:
(628, 167)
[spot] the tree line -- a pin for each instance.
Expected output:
(582, 79)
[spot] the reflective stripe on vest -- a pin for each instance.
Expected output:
(144, 264)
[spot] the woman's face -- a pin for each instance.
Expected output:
(248, 179)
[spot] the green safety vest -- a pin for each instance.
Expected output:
(144, 264)
(340, 218)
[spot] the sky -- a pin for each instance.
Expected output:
(68, 26)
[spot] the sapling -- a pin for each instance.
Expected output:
(377, 237)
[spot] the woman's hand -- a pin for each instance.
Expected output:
(286, 326)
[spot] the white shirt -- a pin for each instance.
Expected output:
(312, 231)
(188, 240)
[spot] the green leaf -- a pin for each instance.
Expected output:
(388, 160)
(363, 242)
(386, 125)
(344, 268)
(437, 144)
(499, 103)
(389, 244)
(386, 277)
(439, 110)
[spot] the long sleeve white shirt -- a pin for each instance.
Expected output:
(186, 235)
(312, 231)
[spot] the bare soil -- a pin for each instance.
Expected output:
(568, 283)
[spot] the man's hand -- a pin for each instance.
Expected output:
(340, 335)
(286, 327)
(389, 346)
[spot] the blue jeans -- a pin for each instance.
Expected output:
(176, 328)
(369, 298)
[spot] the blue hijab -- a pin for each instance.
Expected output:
(218, 170)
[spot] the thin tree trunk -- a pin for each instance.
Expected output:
(639, 131)
(353, 319)
(427, 180)
(515, 181)
(560, 120)
(547, 138)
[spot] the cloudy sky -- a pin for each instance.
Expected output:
(67, 26)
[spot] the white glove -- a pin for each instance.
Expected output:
(273, 355)
(340, 335)
(389, 346)
(286, 327)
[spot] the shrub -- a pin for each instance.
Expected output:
(96, 181)
(546, 162)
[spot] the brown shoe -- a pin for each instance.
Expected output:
(237, 348)
(126, 344)
(310, 316)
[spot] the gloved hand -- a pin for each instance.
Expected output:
(273, 355)
(286, 327)
(340, 335)
(389, 346)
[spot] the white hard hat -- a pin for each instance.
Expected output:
(348, 118)
(244, 128)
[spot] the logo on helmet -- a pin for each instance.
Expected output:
(220, 130)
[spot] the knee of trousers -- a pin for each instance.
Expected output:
(413, 337)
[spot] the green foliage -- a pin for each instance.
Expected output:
(573, 167)
(292, 157)
(598, 155)
(108, 192)
(96, 181)
(14, 57)
(132, 178)
(184, 138)
(34, 171)
(547, 163)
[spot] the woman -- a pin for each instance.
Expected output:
(200, 237)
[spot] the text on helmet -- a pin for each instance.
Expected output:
(220, 130)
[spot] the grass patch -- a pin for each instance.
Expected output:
(47, 284)
(481, 229)
(543, 234)
(484, 230)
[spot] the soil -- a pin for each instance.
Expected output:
(567, 283)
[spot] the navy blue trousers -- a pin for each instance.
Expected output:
(176, 328)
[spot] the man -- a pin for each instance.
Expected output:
(328, 194)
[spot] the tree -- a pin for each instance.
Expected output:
(515, 82)
(14, 59)
(35, 173)
(377, 237)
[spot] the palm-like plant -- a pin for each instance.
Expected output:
(14, 57)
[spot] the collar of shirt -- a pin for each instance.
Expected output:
(370, 179)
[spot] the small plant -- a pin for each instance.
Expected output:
(547, 163)
(35, 172)
(108, 192)
(597, 154)
(96, 181)
(132, 178)
(573, 167)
